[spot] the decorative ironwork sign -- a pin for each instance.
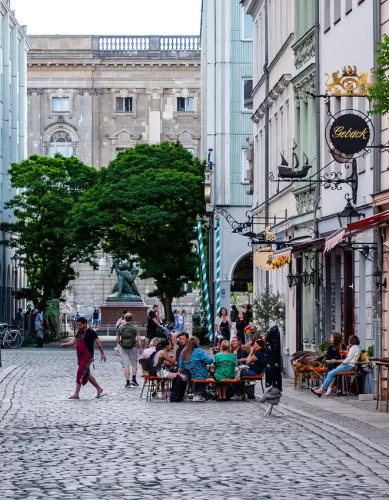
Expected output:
(349, 84)
(349, 134)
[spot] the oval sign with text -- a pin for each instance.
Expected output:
(350, 134)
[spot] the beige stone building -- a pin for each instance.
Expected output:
(93, 96)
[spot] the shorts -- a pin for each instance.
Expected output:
(151, 335)
(128, 356)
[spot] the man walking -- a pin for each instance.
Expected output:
(129, 345)
(152, 325)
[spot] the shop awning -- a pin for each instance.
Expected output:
(285, 252)
(355, 228)
(309, 245)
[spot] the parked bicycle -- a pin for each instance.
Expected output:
(11, 337)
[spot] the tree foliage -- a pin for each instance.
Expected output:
(145, 204)
(268, 307)
(44, 231)
(378, 94)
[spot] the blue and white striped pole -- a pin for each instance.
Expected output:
(218, 267)
(204, 277)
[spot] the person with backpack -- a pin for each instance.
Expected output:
(129, 345)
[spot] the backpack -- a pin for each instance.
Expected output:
(177, 390)
(128, 335)
(150, 364)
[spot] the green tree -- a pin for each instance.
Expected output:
(267, 307)
(145, 204)
(378, 94)
(44, 232)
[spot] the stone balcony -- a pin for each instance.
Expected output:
(114, 47)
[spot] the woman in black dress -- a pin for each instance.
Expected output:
(223, 324)
(240, 326)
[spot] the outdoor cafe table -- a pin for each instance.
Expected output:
(380, 366)
(339, 361)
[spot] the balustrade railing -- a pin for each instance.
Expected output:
(128, 44)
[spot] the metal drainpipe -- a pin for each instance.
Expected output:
(318, 166)
(267, 91)
(377, 294)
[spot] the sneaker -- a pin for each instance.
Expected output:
(128, 385)
(328, 391)
(198, 399)
(134, 383)
(236, 398)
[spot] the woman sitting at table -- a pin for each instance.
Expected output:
(225, 365)
(256, 359)
(347, 365)
(195, 360)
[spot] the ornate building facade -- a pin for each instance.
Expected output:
(94, 96)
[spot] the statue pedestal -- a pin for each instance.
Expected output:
(112, 311)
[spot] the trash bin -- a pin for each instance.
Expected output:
(28, 323)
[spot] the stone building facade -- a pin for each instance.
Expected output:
(93, 96)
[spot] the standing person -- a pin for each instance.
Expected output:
(19, 316)
(233, 314)
(152, 325)
(38, 323)
(121, 321)
(248, 315)
(240, 326)
(222, 324)
(95, 318)
(85, 339)
(129, 346)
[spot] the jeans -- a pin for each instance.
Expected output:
(333, 373)
(249, 373)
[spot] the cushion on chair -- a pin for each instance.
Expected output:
(229, 381)
(252, 377)
(205, 381)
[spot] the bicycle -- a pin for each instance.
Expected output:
(10, 337)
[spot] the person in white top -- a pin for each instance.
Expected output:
(347, 365)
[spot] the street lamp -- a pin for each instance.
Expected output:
(377, 279)
(305, 278)
(15, 259)
(347, 215)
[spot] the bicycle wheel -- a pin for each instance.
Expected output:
(13, 339)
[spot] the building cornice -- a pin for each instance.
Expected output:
(277, 90)
(113, 66)
(304, 84)
(304, 48)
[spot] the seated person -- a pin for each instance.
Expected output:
(163, 363)
(225, 364)
(240, 353)
(257, 359)
(349, 364)
(195, 361)
(153, 347)
(334, 352)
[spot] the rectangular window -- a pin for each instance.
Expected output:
(191, 150)
(247, 91)
(247, 26)
(185, 104)
(327, 15)
(60, 104)
(337, 11)
(245, 167)
(119, 150)
(124, 104)
(348, 6)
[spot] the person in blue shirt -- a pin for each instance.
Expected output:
(195, 360)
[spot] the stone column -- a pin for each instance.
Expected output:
(96, 122)
(154, 132)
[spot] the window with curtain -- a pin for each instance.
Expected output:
(185, 104)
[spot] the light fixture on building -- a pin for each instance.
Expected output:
(377, 279)
(347, 215)
(305, 278)
(290, 278)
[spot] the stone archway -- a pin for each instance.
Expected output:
(242, 273)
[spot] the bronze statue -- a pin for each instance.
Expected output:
(125, 287)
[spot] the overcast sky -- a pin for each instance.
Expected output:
(109, 17)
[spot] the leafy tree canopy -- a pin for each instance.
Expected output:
(145, 204)
(379, 92)
(44, 231)
(268, 307)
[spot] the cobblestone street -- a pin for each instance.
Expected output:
(120, 447)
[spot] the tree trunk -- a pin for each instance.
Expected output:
(167, 307)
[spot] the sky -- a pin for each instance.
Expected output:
(109, 17)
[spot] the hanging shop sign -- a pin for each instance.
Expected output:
(263, 259)
(349, 134)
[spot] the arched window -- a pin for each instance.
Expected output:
(61, 142)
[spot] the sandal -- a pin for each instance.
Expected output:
(74, 397)
(100, 395)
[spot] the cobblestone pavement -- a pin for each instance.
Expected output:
(120, 447)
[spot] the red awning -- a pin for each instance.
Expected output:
(355, 228)
(308, 245)
(334, 239)
(371, 222)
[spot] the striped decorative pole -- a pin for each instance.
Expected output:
(204, 277)
(218, 267)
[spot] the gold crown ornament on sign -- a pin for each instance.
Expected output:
(348, 84)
